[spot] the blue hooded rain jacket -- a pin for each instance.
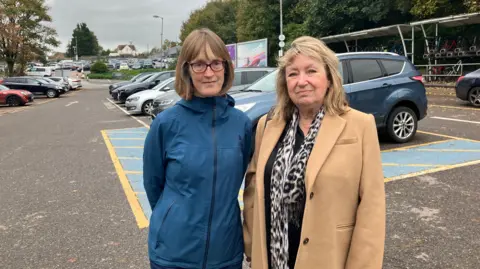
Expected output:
(195, 156)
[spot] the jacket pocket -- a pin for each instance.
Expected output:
(163, 220)
(345, 226)
(346, 141)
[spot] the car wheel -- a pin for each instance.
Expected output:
(474, 97)
(147, 107)
(51, 93)
(402, 124)
(14, 101)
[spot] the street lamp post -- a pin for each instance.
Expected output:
(161, 35)
(281, 37)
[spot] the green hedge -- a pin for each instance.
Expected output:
(99, 68)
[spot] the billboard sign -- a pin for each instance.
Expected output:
(232, 50)
(252, 53)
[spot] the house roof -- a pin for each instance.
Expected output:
(121, 47)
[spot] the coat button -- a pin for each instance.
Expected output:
(305, 241)
(311, 195)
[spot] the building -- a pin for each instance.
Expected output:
(127, 50)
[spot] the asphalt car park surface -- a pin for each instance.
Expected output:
(72, 195)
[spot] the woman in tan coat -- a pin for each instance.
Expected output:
(314, 196)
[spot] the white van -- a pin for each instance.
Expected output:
(39, 71)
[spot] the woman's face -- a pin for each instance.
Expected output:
(307, 82)
(207, 80)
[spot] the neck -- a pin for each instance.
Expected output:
(306, 117)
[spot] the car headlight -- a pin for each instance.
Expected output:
(24, 93)
(59, 87)
(245, 107)
(130, 99)
(165, 102)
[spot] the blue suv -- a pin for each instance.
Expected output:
(384, 84)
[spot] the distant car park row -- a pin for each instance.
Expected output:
(17, 91)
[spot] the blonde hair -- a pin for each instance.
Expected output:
(198, 41)
(335, 101)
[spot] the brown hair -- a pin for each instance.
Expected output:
(335, 101)
(198, 41)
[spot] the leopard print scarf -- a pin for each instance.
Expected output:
(288, 187)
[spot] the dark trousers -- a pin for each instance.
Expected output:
(156, 266)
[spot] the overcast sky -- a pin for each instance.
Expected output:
(117, 22)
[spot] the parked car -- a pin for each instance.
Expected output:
(125, 91)
(138, 78)
(163, 102)
(63, 81)
(384, 84)
(37, 71)
(50, 81)
(124, 66)
(141, 102)
(33, 85)
(244, 77)
(13, 97)
(467, 88)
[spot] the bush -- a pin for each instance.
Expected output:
(99, 68)
(100, 76)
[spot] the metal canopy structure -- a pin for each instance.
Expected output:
(404, 29)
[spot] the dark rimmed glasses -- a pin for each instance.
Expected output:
(200, 67)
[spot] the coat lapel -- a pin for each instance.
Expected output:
(269, 140)
(331, 128)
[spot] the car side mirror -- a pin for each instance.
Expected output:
(166, 89)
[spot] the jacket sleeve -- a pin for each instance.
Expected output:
(249, 192)
(153, 163)
(247, 146)
(368, 238)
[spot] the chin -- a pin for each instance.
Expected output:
(209, 92)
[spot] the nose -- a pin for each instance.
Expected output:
(208, 72)
(302, 79)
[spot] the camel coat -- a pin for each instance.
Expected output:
(344, 218)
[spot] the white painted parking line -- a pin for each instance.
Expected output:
(71, 103)
(124, 111)
(450, 119)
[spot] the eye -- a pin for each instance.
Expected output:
(292, 74)
(311, 71)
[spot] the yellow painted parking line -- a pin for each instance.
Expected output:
(131, 172)
(410, 164)
(140, 217)
(447, 136)
(429, 171)
(450, 150)
(129, 147)
(131, 138)
(417, 145)
(456, 107)
(129, 158)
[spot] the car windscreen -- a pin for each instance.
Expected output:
(265, 84)
(4, 88)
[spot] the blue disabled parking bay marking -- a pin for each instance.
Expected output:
(436, 155)
(397, 163)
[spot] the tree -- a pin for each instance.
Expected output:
(86, 40)
(218, 16)
(24, 33)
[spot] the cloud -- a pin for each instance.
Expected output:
(116, 22)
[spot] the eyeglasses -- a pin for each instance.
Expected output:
(201, 67)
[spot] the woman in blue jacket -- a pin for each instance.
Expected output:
(195, 157)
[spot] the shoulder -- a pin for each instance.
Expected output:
(166, 118)
(353, 116)
(239, 116)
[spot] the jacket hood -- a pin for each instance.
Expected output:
(202, 105)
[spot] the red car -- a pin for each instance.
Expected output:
(14, 97)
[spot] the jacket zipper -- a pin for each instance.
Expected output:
(213, 187)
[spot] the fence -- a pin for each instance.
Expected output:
(446, 72)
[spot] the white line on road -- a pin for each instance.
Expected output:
(71, 103)
(124, 111)
(450, 119)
